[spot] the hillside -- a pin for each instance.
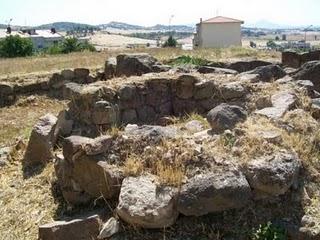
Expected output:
(65, 26)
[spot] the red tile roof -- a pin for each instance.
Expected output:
(220, 19)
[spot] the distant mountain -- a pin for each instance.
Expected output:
(65, 26)
(121, 25)
(268, 25)
(158, 27)
(178, 28)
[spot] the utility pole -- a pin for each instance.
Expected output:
(305, 32)
(305, 36)
(170, 20)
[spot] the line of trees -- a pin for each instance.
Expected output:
(16, 46)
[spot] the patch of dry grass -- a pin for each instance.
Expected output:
(48, 63)
(165, 160)
(214, 54)
(133, 166)
(17, 121)
(189, 117)
(25, 203)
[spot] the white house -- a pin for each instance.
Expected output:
(40, 38)
(218, 32)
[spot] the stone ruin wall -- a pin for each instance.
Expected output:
(100, 106)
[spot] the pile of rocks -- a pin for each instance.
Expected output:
(132, 65)
(93, 165)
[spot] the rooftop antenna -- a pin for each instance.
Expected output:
(9, 22)
(9, 30)
(170, 20)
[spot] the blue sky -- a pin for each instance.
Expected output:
(148, 12)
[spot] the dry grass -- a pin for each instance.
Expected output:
(17, 121)
(178, 121)
(250, 144)
(24, 203)
(165, 160)
(51, 62)
(215, 54)
(48, 63)
(133, 166)
(172, 174)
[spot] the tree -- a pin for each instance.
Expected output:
(271, 44)
(15, 46)
(70, 45)
(171, 42)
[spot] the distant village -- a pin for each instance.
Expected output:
(215, 32)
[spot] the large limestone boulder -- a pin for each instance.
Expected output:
(203, 90)
(82, 228)
(310, 71)
(232, 90)
(273, 175)
(225, 117)
(83, 173)
(219, 190)
(155, 133)
(4, 156)
(134, 64)
(64, 125)
(281, 103)
(143, 203)
(110, 68)
(206, 69)
(268, 73)
(184, 86)
(41, 142)
(245, 66)
(7, 95)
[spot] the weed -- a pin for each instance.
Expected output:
(268, 232)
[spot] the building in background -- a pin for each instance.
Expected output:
(218, 32)
(40, 38)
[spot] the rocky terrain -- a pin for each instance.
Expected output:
(145, 150)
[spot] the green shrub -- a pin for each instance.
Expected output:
(54, 49)
(271, 44)
(15, 46)
(186, 59)
(269, 232)
(171, 42)
(70, 45)
(86, 46)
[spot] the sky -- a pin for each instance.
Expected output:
(148, 12)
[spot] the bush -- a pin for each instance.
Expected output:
(271, 44)
(15, 46)
(185, 60)
(171, 42)
(54, 49)
(269, 232)
(70, 45)
(86, 46)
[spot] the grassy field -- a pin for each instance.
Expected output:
(49, 63)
